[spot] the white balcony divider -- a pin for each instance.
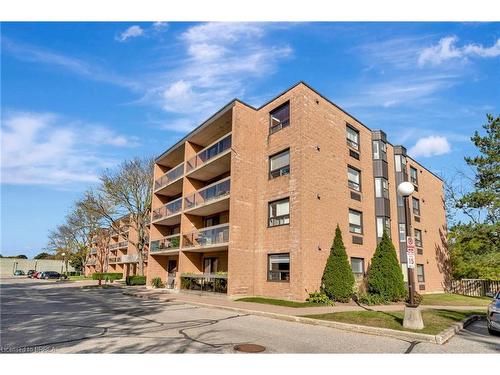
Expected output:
(211, 192)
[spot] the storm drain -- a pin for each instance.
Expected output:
(249, 348)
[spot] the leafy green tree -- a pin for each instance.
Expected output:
(42, 255)
(338, 281)
(385, 278)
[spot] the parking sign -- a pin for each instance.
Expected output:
(410, 259)
(410, 245)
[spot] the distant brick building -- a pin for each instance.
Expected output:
(256, 194)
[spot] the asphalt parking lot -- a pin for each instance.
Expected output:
(45, 316)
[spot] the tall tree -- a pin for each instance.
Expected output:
(338, 281)
(129, 189)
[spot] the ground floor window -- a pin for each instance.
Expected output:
(278, 267)
(420, 273)
(358, 266)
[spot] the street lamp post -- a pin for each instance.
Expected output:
(413, 317)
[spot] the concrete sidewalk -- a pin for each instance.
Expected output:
(223, 302)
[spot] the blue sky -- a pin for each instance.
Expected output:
(80, 97)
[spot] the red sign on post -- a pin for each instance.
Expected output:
(410, 245)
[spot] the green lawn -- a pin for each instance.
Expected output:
(435, 321)
(448, 299)
(279, 302)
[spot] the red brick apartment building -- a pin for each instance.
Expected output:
(247, 203)
(121, 255)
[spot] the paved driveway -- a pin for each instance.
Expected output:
(40, 316)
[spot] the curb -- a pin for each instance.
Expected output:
(439, 339)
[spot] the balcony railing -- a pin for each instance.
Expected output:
(217, 234)
(170, 176)
(113, 260)
(168, 209)
(209, 193)
(129, 258)
(90, 262)
(209, 153)
(166, 243)
(119, 245)
(208, 282)
(93, 251)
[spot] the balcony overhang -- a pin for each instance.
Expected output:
(169, 220)
(211, 207)
(165, 252)
(171, 189)
(207, 248)
(212, 168)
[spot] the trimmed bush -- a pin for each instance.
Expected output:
(135, 280)
(417, 299)
(157, 283)
(107, 276)
(385, 277)
(371, 299)
(338, 281)
(319, 297)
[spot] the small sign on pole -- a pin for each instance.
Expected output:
(410, 260)
(410, 245)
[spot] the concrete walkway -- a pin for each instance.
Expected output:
(224, 302)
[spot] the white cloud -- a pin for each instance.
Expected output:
(159, 26)
(430, 146)
(220, 60)
(446, 49)
(132, 32)
(47, 149)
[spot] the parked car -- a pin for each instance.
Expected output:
(30, 273)
(493, 316)
(19, 273)
(37, 275)
(52, 275)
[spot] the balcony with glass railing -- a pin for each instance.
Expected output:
(211, 199)
(168, 213)
(90, 262)
(114, 260)
(217, 156)
(118, 245)
(129, 258)
(165, 184)
(93, 251)
(165, 244)
(213, 238)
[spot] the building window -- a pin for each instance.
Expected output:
(354, 178)
(381, 188)
(416, 206)
(352, 137)
(279, 118)
(418, 237)
(402, 232)
(400, 163)
(413, 176)
(420, 273)
(279, 164)
(355, 222)
(278, 267)
(358, 266)
(379, 150)
(383, 223)
(279, 212)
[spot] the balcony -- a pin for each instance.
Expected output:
(168, 214)
(90, 262)
(119, 245)
(171, 182)
(212, 161)
(114, 260)
(166, 244)
(210, 238)
(129, 258)
(93, 251)
(207, 282)
(210, 200)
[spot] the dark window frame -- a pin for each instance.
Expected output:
(385, 192)
(355, 146)
(269, 255)
(283, 171)
(385, 227)
(359, 186)
(362, 274)
(280, 217)
(416, 211)
(361, 221)
(414, 180)
(276, 128)
(418, 242)
(420, 278)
